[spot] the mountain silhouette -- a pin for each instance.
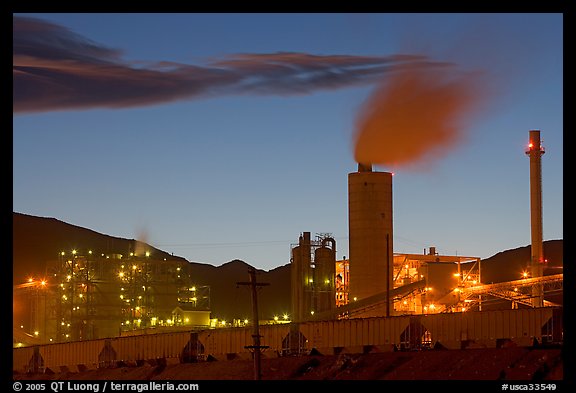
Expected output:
(37, 240)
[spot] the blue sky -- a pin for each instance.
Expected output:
(214, 169)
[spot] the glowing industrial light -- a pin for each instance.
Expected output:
(285, 316)
(36, 333)
(30, 279)
(456, 274)
(121, 274)
(43, 283)
(245, 321)
(515, 289)
(530, 145)
(276, 318)
(194, 298)
(80, 296)
(524, 274)
(193, 288)
(463, 309)
(121, 296)
(310, 280)
(432, 307)
(134, 267)
(405, 302)
(90, 252)
(327, 281)
(474, 282)
(312, 312)
(177, 269)
(127, 322)
(187, 320)
(62, 253)
(147, 253)
(355, 298)
(73, 252)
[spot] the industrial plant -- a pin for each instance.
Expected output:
(376, 299)
(375, 281)
(87, 296)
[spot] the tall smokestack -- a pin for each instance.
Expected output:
(370, 234)
(535, 151)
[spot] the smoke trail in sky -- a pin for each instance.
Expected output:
(56, 69)
(416, 116)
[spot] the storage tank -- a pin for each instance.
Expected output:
(370, 234)
(324, 276)
(301, 279)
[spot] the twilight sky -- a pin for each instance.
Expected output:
(224, 136)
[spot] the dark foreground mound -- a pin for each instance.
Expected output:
(516, 363)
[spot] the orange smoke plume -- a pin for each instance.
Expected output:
(415, 116)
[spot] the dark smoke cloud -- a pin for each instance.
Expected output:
(56, 69)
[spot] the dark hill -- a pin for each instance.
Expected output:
(509, 265)
(37, 240)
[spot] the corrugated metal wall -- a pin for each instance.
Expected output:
(450, 330)
(348, 333)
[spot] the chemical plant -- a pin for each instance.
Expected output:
(377, 299)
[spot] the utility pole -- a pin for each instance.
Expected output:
(256, 332)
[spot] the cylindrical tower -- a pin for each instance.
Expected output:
(535, 151)
(370, 234)
(301, 279)
(325, 275)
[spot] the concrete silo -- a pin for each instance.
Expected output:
(370, 235)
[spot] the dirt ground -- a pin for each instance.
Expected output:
(515, 363)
